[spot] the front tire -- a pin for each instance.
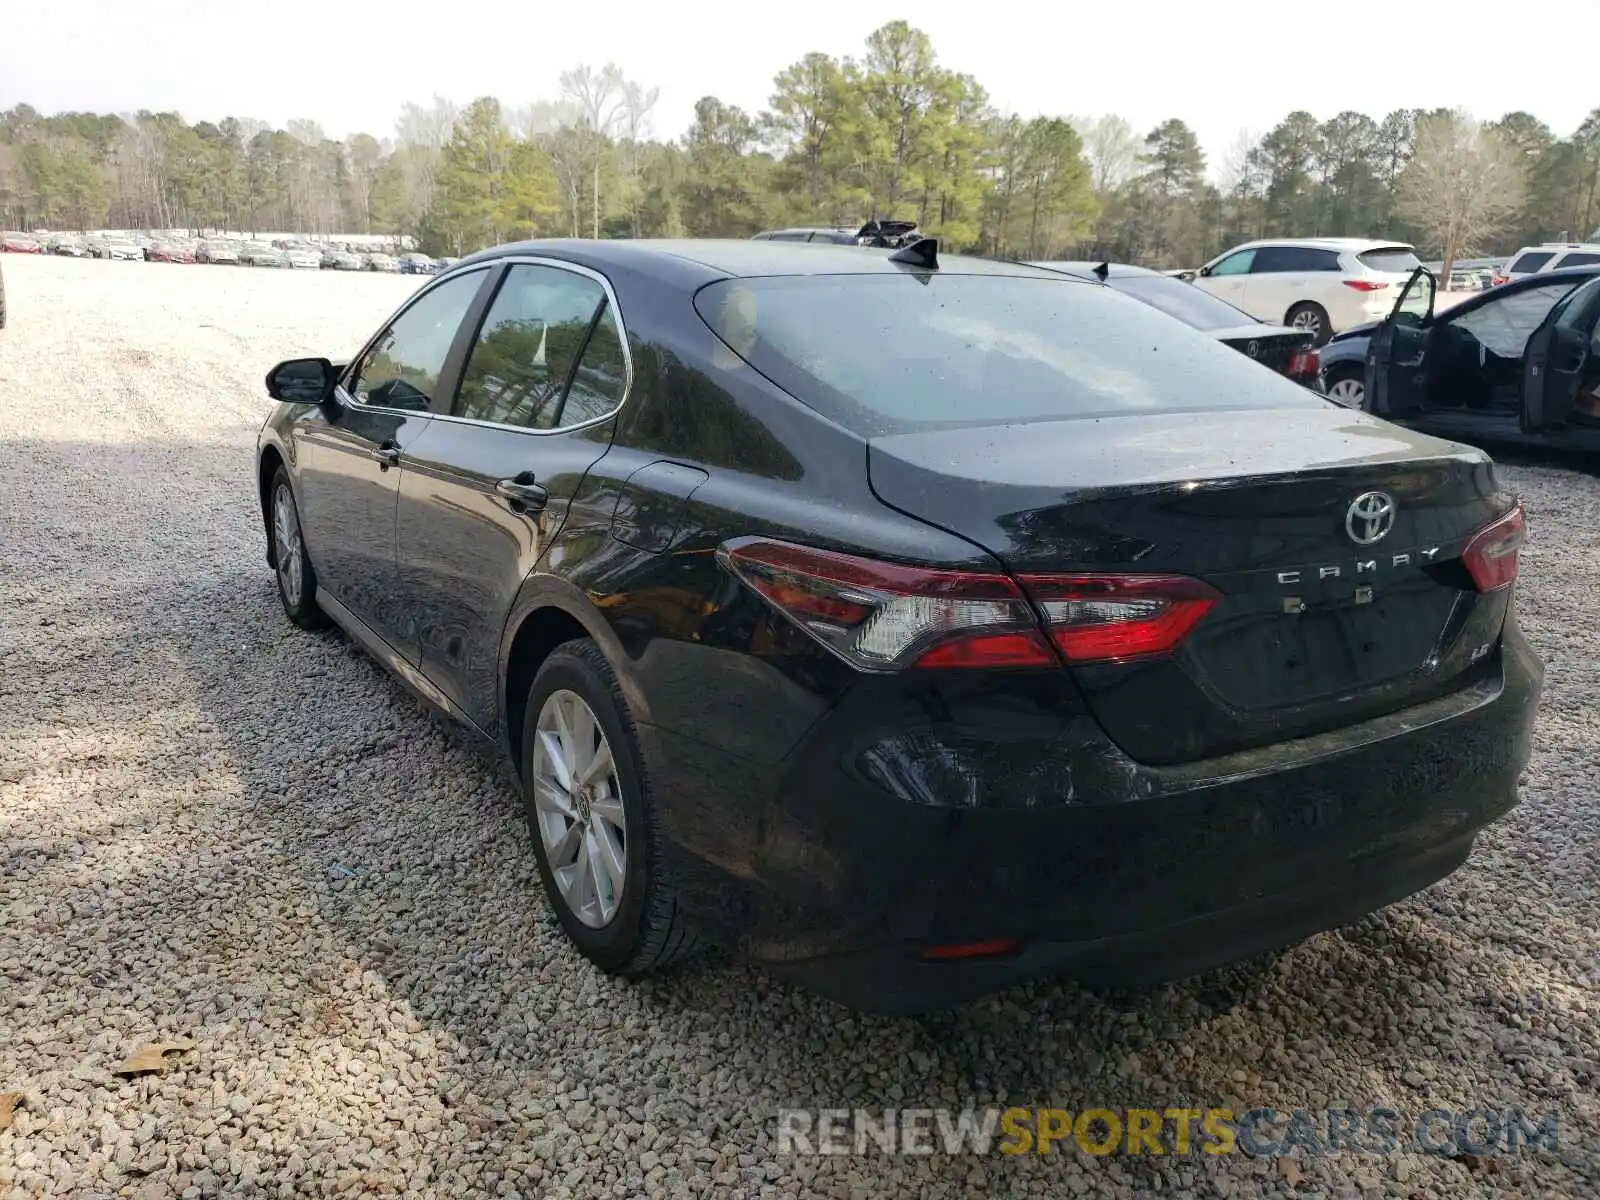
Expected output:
(1348, 386)
(591, 809)
(297, 578)
(1313, 318)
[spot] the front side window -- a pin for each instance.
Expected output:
(402, 368)
(1235, 264)
(531, 338)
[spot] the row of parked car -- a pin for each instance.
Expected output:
(285, 253)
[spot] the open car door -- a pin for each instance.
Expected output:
(1395, 382)
(1560, 362)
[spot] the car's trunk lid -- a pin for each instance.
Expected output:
(1312, 631)
(1270, 345)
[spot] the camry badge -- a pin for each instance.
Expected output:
(1369, 518)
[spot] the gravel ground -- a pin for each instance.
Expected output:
(221, 829)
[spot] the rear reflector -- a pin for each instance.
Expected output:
(1491, 555)
(993, 948)
(1364, 285)
(881, 616)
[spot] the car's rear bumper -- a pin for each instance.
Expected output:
(889, 833)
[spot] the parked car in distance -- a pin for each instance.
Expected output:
(19, 243)
(119, 250)
(169, 252)
(444, 264)
(304, 258)
(382, 262)
(882, 234)
(67, 246)
(1320, 284)
(990, 646)
(1550, 256)
(416, 264)
(345, 260)
(220, 251)
(260, 254)
(1281, 348)
(1513, 364)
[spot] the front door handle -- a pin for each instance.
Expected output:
(524, 494)
(388, 455)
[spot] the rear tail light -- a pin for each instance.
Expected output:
(886, 616)
(1305, 363)
(957, 951)
(1491, 555)
(1364, 285)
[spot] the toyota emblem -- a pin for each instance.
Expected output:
(1369, 518)
(1253, 349)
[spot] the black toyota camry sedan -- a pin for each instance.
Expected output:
(913, 625)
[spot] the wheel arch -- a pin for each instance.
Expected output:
(549, 611)
(267, 467)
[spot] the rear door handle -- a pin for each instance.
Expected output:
(388, 455)
(523, 493)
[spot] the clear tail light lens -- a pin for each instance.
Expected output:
(887, 616)
(1491, 555)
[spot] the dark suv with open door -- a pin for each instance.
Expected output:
(914, 625)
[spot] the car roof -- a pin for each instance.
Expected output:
(1353, 244)
(721, 258)
(1113, 270)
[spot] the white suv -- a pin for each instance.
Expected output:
(1551, 256)
(1324, 285)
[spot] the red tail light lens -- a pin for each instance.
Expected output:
(1305, 363)
(1491, 555)
(1364, 285)
(1115, 618)
(885, 616)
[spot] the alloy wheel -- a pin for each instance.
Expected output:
(577, 797)
(1348, 392)
(1308, 320)
(289, 547)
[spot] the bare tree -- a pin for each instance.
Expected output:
(1462, 185)
(599, 97)
(633, 126)
(1112, 148)
(423, 132)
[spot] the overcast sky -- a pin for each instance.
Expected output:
(1223, 66)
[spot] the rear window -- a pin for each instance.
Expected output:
(1581, 259)
(1183, 300)
(1530, 262)
(1273, 259)
(1395, 260)
(884, 354)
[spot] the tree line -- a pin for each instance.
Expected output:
(891, 133)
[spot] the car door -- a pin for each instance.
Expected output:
(491, 489)
(1395, 381)
(1562, 360)
(350, 455)
(1229, 278)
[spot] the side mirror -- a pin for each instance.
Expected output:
(1202, 271)
(302, 381)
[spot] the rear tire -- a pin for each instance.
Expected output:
(297, 578)
(1312, 317)
(579, 827)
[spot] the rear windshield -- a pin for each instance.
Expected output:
(1530, 262)
(1396, 260)
(897, 353)
(1183, 300)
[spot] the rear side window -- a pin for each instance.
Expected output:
(1532, 261)
(885, 354)
(533, 333)
(1580, 259)
(1275, 259)
(1396, 260)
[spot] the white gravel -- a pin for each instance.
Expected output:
(215, 826)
